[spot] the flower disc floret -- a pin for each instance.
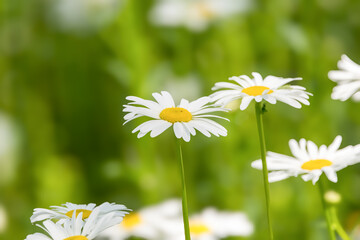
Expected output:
(85, 213)
(175, 114)
(199, 229)
(256, 90)
(79, 237)
(131, 221)
(214, 224)
(316, 164)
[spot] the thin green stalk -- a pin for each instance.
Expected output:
(258, 110)
(326, 209)
(184, 197)
(337, 225)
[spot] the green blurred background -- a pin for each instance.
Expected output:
(62, 91)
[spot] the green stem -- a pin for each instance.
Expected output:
(337, 225)
(258, 110)
(326, 209)
(184, 197)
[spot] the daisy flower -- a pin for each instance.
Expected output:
(153, 222)
(76, 228)
(184, 118)
(270, 89)
(196, 15)
(66, 211)
(348, 80)
(83, 15)
(212, 224)
(3, 219)
(310, 161)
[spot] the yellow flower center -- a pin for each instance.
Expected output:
(198, 229)
(86, 213)
(175, 114)
(316, 164)
(204, 10)
(131, 220)
(256, 90)
(76, 238)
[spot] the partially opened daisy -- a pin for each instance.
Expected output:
(212, 224)
(347, 78)
(270, 89)
(153, 222)
(185, 118)
(196, 15)
(66, 211)
(310, 161)
(76, 228)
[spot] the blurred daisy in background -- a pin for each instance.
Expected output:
(348, 80)
(270, 89)
(77, 229)
(66, 211)
(212, 224)
(3, 219)
(153, 222)
(310, 161)
(83, 15)
(185, 118)
(196, 15)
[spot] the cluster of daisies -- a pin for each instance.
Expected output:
(187, 117)
(164, 222)
(85, 222)
(76, 222)
(195, 15)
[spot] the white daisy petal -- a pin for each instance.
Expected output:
(178, 130)
(270, 99)
(245, 102)
(348, 79)
(331, 174)
(335, 144)
(316, 176)
(312, 149)
(278, 176)
(200, 128)
(160, 129)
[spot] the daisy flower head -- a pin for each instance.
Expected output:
(75, 228)
(66, 211)
(212, 224)
(185, 118)
(83, 15)
(152, 222)
(270, 89)
(196, 15)
(348, 80)
(310, 161)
